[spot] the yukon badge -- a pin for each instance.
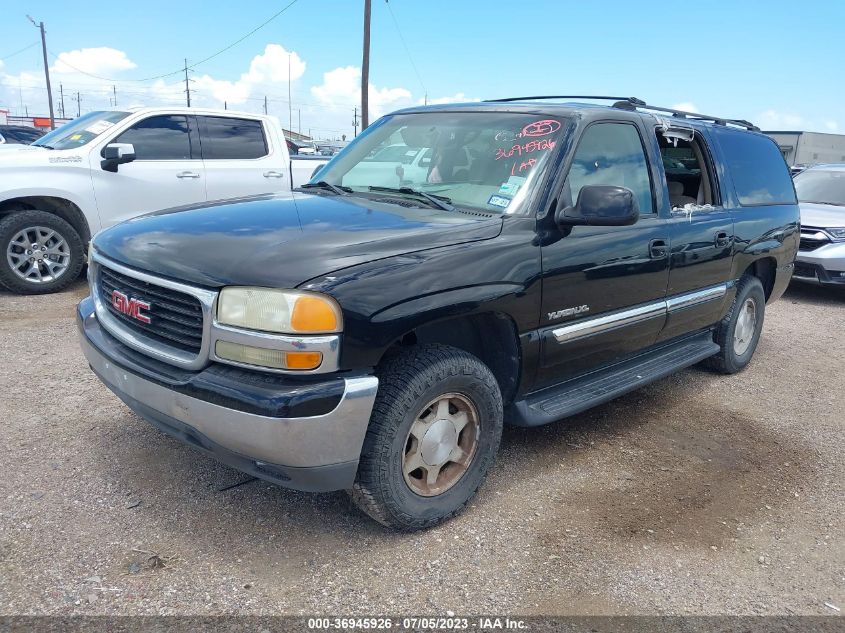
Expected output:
(568, 312)
(131, 307)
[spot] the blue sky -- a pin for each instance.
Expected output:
(776, 63)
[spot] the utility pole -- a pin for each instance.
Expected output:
(355, 121)
(265, 104)
(114, 91)
(290, 105)
(40, 25)
(225, 105)
(78, 105)
(62, 93)
(365, 70)
(299, 118)
(187, 83)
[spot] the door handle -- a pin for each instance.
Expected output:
(722, 238)
(187, 174)
(658, 249)
(273, 174)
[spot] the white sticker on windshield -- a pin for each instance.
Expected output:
(499, 201)
(99, 127)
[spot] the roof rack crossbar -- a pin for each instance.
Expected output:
(631, 100)
(634, 102)
(703, 117)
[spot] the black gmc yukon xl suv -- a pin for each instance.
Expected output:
(453, 269)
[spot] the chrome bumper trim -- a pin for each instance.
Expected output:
(331, 438)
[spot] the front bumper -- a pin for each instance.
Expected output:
(824, 265)
(301, 435)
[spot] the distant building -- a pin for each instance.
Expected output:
(810, 148)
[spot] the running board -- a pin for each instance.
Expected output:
(598, 387)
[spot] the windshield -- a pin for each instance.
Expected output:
(480, 160)
(81, 130)
(818, 185)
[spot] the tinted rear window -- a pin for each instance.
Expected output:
(757, 167)
(225, 137)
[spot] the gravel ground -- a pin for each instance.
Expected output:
(699, 494)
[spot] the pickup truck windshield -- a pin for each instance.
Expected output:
(481, 160)
(81, 130)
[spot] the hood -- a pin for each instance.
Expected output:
(822, 216)
(36, 156)
(282, 241)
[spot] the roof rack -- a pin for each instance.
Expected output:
(631, 100)
(632, 103)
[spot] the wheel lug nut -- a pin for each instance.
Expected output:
(29, 252)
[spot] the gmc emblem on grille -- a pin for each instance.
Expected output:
(130, 306)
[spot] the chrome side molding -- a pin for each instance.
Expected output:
(630, 316)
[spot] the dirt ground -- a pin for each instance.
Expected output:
(698, 494)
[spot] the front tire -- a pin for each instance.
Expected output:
(739, 332)
(433, 435)
(39, 253)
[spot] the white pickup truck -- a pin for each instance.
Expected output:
(110, 166)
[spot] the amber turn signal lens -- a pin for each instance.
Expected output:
(304, 360)
(314, 314)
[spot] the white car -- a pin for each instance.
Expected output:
(821, 253)
(107, 167)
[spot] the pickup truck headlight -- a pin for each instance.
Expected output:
(838, 234)
(282, 311)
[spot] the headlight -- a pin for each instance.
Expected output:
(285, 311)
(839, 233)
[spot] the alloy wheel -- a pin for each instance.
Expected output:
(38, 254)
(441, 444)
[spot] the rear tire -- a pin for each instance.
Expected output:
(436, 405)
(39, 253)
(739, 332)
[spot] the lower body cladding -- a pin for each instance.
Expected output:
(312, 450)
(824, 265)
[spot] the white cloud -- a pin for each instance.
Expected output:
(686, 106)
(831, 126)
(341, 88)
(773, 119)
(103, 61)
(267, 72)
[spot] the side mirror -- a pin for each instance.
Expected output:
(601, 205)
(117, 154)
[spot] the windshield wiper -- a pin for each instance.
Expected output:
(322, 184)
(441, 202)
(44, 145)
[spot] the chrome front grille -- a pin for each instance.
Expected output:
(812, 238)
(175, 318)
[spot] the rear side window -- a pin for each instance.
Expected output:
(227, 138)
(759, 173)
(159, 138)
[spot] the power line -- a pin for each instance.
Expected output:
(25, 48)
(407, 50)
(192, 66)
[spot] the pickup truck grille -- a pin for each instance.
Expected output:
(175, 318)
